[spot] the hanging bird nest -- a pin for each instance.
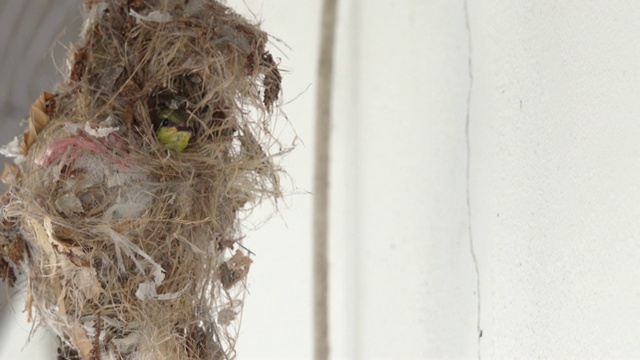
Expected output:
(131, 248)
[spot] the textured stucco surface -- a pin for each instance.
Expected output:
(555, 167)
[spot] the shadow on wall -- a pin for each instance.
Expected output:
(33, 37)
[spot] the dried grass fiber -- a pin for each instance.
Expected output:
(131, 250)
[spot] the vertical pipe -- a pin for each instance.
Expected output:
(321, 183)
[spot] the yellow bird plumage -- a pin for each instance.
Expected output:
(172, 130)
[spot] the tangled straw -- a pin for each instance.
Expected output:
(131, 251)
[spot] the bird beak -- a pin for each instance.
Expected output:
(185, 128)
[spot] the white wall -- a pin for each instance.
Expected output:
(554, 158)
(555, 173)
(405, 285)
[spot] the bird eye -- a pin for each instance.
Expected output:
(166, 122)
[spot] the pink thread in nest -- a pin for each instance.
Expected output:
(59, 147)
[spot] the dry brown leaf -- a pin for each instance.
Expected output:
(80, 338)
(38, 119)
(234, 270)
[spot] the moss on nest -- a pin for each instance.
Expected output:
(132, 250)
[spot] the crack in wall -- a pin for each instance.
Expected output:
(468, 173)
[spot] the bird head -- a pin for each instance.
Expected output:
(172, 130)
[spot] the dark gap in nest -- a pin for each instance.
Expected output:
(66, 352)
